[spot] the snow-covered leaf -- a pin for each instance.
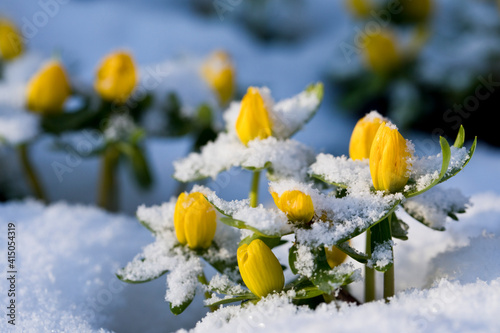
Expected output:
(434, 206)
(415, 190)
(177, 310)
(353, 253)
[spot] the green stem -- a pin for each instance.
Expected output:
(107, 196)
(389, 283)
(203, 280)
(369, 272)
(389, 274)
(33, 181)
(254, 190)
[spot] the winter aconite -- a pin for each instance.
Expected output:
(253, 121)
(48, 89)
(363, 134)
(381, 52)
(194, 221)
(11, 41)
(297, 205)
(389, 159)
(116, 77)
(259, 268)
(218, 71)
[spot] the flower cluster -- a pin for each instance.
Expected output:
(117, 107)
(321, 203)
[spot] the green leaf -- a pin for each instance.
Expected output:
(457, 169)
(459, 141)
(146, 225)
(292, 258)
(360, 230)
(149, 278)
(353, 253)
(230, 221)
(138, 162)
(308, 292)
(329, 281)
(248, 296)
(324, 277)
(399, 228)
(381, 236)
(323, 179)
(177, 124)
(177, 310)
(271, 242)
(315, 89)
(446, 153)
(242, 225)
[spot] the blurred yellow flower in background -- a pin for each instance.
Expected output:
(218, 71)
(389, 159)
(253, 121)
(11, 41)
(260, 269)
(194, 220)
(381, 53)
(48, 89)
(360, 8)
(297, 206)
(116, 77)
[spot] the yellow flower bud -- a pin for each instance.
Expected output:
(259, 268)
(380, 53)
(194, 220)
(218, 72)
(389, 159)
(362, 136)
(253, 121)
(116, 77)
(360, 8)
(11, 41)
(48, 89)
(297, 206)
(334, 256)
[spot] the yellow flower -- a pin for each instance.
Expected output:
(48, 89)
(116, 77)
(389, 159)
(253, 121)
(194, 221)
(334, 256)
(218, 72)
(362, 136)
(380, 53)
(360, 8)
(259, 268)
(297, 206)
(11, 41)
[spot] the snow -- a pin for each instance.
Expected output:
(287, 158)
(17, 126)
(434, 205)
(269, 222)
(446, 307)
(69, 253)
(66, 257)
